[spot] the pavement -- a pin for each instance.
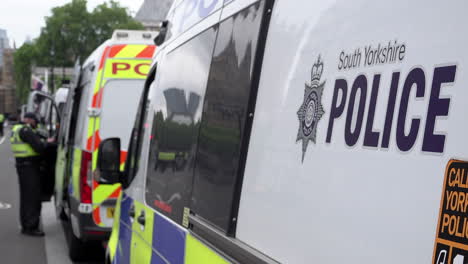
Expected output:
(20, 249)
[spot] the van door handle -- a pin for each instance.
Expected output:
(142, 219)
(131, 213)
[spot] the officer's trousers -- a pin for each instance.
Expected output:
(30, 194)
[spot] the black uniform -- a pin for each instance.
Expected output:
(30, 180)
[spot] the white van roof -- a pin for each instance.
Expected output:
(61, 94)
(123, 37)
(137, 36)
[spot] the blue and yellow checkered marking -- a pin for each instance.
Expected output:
(159, 242)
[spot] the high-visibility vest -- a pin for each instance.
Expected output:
(20, 148)
(2, 118)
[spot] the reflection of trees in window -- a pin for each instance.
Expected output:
(177, 132)
(176, 123)
(224, 116)
(172, 151)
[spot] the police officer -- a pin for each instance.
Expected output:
(2, 119)
(27, 147)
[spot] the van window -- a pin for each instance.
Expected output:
(81, 123)
(177, 112)
(61, 107)
(135, 143)
(119, 106)
(224, 117)
(76, 103)
(67, 115)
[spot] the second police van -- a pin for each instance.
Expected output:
(101, 104)
(298, 131)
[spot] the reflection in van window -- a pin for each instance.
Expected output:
(119, 103)
(81, 125)
(224, 116)
(178, 106)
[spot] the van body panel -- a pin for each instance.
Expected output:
(119, 65)
(187, 14)
(116, 60)
(177, 105)
(356, 186)
(356, 148)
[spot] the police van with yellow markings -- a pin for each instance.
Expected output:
(101, 104)
(298, 131)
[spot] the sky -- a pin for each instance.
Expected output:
(24, 18)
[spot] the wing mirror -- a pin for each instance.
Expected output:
(161, 37)
(108, 162)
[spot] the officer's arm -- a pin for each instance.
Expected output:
(33, 139)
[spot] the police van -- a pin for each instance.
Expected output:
(101, 103)
(41, 103)
(60, 99)
(298, 131)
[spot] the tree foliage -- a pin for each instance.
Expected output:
(71, 32)
(23, 58)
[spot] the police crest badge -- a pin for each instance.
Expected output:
(311, 110)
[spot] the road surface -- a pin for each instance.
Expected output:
(17, 248)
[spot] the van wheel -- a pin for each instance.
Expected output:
(76, 247)
(108, 259)
(60, 210)
(62, 215)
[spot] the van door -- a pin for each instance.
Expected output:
(132, 247)
(61, 181)
(70, 144)
(121, 84)
(177, 105)
(142, 229)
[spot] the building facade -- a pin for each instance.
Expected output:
(152, 12)
(8, 102)
(4, 43)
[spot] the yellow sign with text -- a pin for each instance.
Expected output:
(126, 68)
(451, 245)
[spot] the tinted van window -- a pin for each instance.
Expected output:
(119, 108)
(177, 115)
(224, 116)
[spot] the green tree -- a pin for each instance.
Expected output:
(24, 57)
(108, 17)
(71, 32)
(64, 37)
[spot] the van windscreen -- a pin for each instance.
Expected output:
(119, 106)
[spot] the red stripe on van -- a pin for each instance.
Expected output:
(147, 52)
(115, 50)
(103, 58)
(163, 206)
(89, 143)
(97, 141)
(116, 193)
(94, 102)
(123, 156)
(97, 98)
(97, 216)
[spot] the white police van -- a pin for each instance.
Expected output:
(101, 103)
(299, 131)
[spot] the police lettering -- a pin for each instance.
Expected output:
(119, 66)
(373, 55)
(407, 128)
(201, 7)
(141, 68)
(458, 178)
